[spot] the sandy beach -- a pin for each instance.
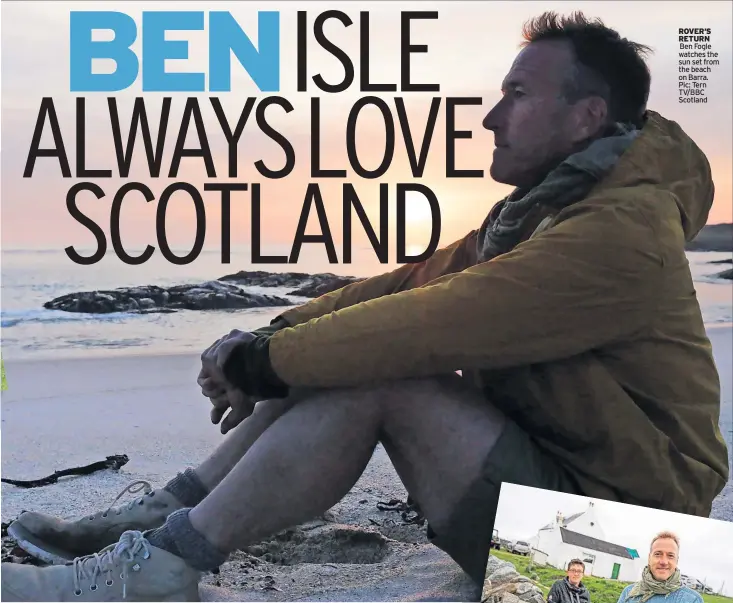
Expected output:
(64, 413)
(67, 413)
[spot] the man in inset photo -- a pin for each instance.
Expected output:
(660, 580)
(571, 588)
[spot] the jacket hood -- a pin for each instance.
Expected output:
(666, 158)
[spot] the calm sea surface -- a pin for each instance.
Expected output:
(30, 278)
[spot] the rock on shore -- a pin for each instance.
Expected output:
(212, 295)
(714, 237)
(224, 293)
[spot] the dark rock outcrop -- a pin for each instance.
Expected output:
(727, 274)
(212, 295)
(224, 293)
(308, 285)
(715, 237)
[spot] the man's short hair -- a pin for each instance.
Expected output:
(607, 65)
(576, 562)
(665, 534)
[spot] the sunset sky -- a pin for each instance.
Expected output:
(471, 47)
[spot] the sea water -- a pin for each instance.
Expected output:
(32, 277)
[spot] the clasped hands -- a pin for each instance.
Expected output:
(214, 385)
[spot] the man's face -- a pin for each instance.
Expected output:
(663, 558)
(534, 127)
(575, 574)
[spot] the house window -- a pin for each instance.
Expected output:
(588, 558)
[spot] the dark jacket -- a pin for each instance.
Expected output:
(564, 592)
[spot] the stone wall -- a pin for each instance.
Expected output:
(504, 584)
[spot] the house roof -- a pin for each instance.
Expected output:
(594, 544)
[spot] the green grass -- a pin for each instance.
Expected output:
(601, 590)
(3, 382)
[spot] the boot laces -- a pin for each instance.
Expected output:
(106, 561)
(132, 488)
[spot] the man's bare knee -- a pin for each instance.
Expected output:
(399, 402)
(444, 391)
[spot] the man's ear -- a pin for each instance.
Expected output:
(590, 117)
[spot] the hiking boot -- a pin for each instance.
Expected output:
(130, 570)
(59, 541)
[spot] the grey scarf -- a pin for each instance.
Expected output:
(649, 586)
(568, 183)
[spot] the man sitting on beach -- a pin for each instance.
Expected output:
(570, 312)
(571, 588)
(660, 580)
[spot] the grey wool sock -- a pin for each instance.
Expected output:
(178, 537)
(187, 488)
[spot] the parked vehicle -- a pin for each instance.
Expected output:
(520, 548)
(495, 542)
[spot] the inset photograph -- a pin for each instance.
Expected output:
(552, 547)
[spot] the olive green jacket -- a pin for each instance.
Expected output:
(588, 333)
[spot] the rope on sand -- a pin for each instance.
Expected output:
(112, 462)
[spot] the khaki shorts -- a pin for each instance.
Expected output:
(515, 459)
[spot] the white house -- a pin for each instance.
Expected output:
(581, 536)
